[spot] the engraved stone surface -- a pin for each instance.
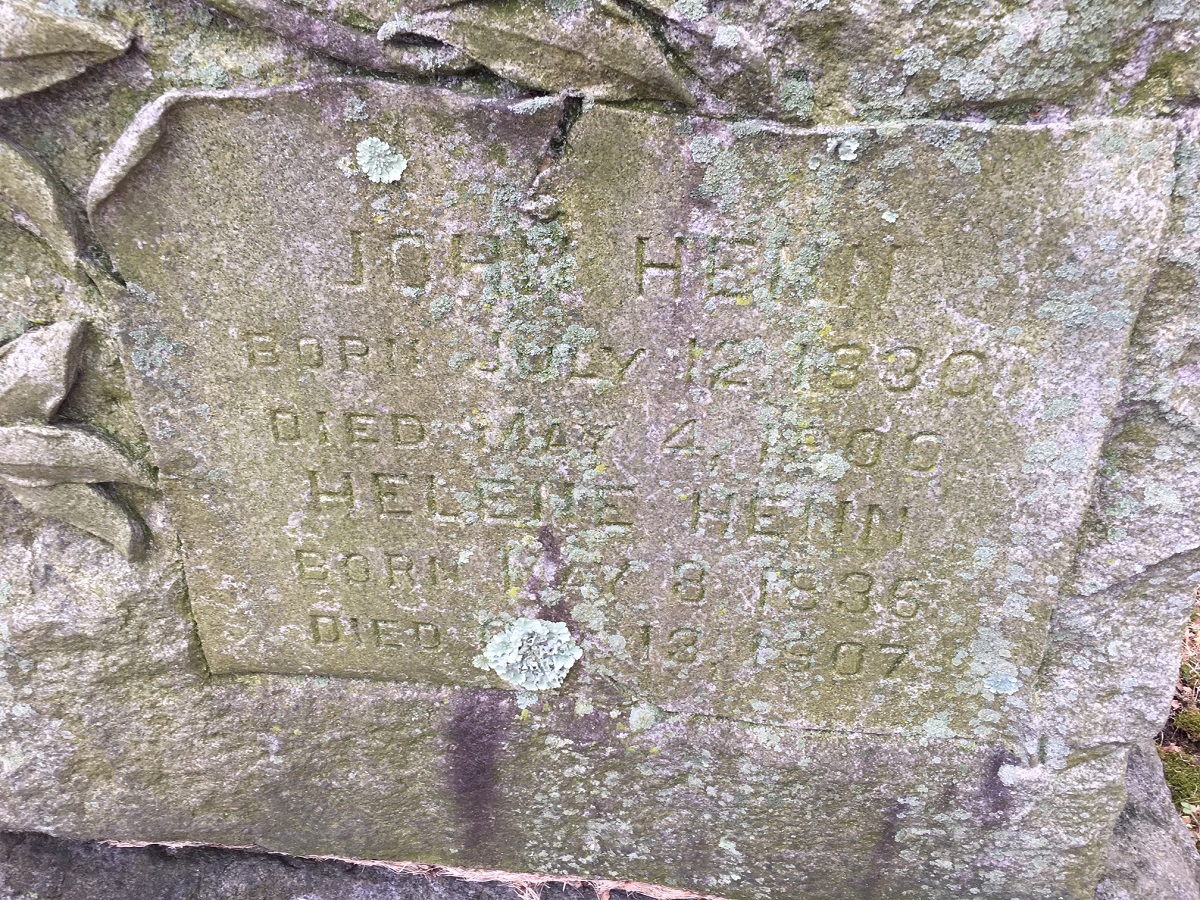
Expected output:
(790, 426)
(568, 463)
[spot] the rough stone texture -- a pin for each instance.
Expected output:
(38, 47)
(54, 469)
(856, 458)
(826, 60)
(35, 866)
(1150, 856)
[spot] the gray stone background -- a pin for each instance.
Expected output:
(72, 77)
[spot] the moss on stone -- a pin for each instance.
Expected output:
(1188, 721)
(1183, 777)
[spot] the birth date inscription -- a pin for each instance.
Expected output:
(777, 434)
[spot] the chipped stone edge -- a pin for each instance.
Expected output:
(519, 881)
(1128, 409)
(1072, 593)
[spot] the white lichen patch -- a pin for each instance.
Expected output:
(534, 105)
(644, 716)
(532, 654)
(691, 10)
(355, 110)
(379, 161)
(397, 26)
(991, 665)
(727, 37)
(847, 148)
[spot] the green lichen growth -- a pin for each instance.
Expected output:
(536, 104)
(212, 76)
(379, 161)
(14, 326)
(532, 655)
(526, 294)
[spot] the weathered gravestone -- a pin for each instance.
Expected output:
(605, 489)
(788, 427)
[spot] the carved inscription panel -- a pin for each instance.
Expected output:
(783, 425)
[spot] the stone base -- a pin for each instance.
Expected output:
(1152, 854)
(37, 865)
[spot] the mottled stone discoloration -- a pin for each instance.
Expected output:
(855, 458)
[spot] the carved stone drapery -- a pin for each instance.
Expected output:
(55, 469)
